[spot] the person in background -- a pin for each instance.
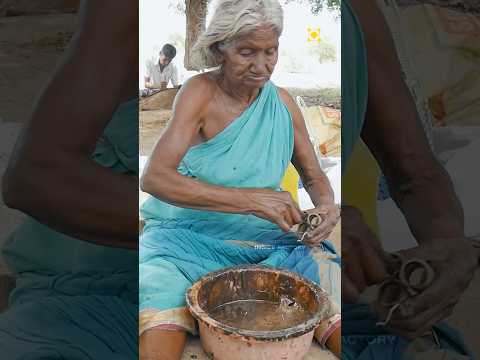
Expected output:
(161, 71)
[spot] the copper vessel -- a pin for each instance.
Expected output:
(226, 342)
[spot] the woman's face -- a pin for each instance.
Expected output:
(250, 60)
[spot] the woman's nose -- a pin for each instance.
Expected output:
(261, 64)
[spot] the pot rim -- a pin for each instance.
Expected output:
(275, 335)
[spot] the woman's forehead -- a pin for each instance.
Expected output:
(260, 38)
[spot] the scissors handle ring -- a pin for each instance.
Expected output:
(314, 220)
(391, 292)
(409, 267)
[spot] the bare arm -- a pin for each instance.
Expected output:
(314, 179)
(420, 186)
(51, 175)
(162, 180)
(304, 158)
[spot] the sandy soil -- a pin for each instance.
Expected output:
(152, 125)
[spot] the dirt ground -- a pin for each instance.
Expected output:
(152, 125)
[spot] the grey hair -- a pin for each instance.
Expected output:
(231, 20)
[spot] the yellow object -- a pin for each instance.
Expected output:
(313, 34)
(360, 184)
(290, 181)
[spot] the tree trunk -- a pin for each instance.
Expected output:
(196, 12)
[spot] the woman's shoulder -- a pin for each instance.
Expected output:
(286, 97)
(201, 82)
(290, 104)
(198, 89)
(283, 93)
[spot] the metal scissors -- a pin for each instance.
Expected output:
(408, 278)
(309, 223)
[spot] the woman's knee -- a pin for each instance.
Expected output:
(157, 344)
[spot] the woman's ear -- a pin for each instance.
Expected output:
(219, 56)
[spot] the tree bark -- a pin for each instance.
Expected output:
(196, 12)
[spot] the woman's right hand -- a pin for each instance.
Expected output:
(362, 256)
(276, 206)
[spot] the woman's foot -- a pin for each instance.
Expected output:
(156, 344)
(334, 342)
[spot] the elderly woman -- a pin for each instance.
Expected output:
(215, 176)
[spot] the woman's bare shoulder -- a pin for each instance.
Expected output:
(284, 95)
(287, 100)
(203, 84)
(192, 103)
(196, 92)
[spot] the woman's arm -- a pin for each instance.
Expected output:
(51, 175)
(393, 132)
(421, 188)
(162, 180)
(304, 158)
(314, 179)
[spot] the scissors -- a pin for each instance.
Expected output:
(408, 278)
(309, 223)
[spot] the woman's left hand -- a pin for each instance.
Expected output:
(454, 261)
(330, 214)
